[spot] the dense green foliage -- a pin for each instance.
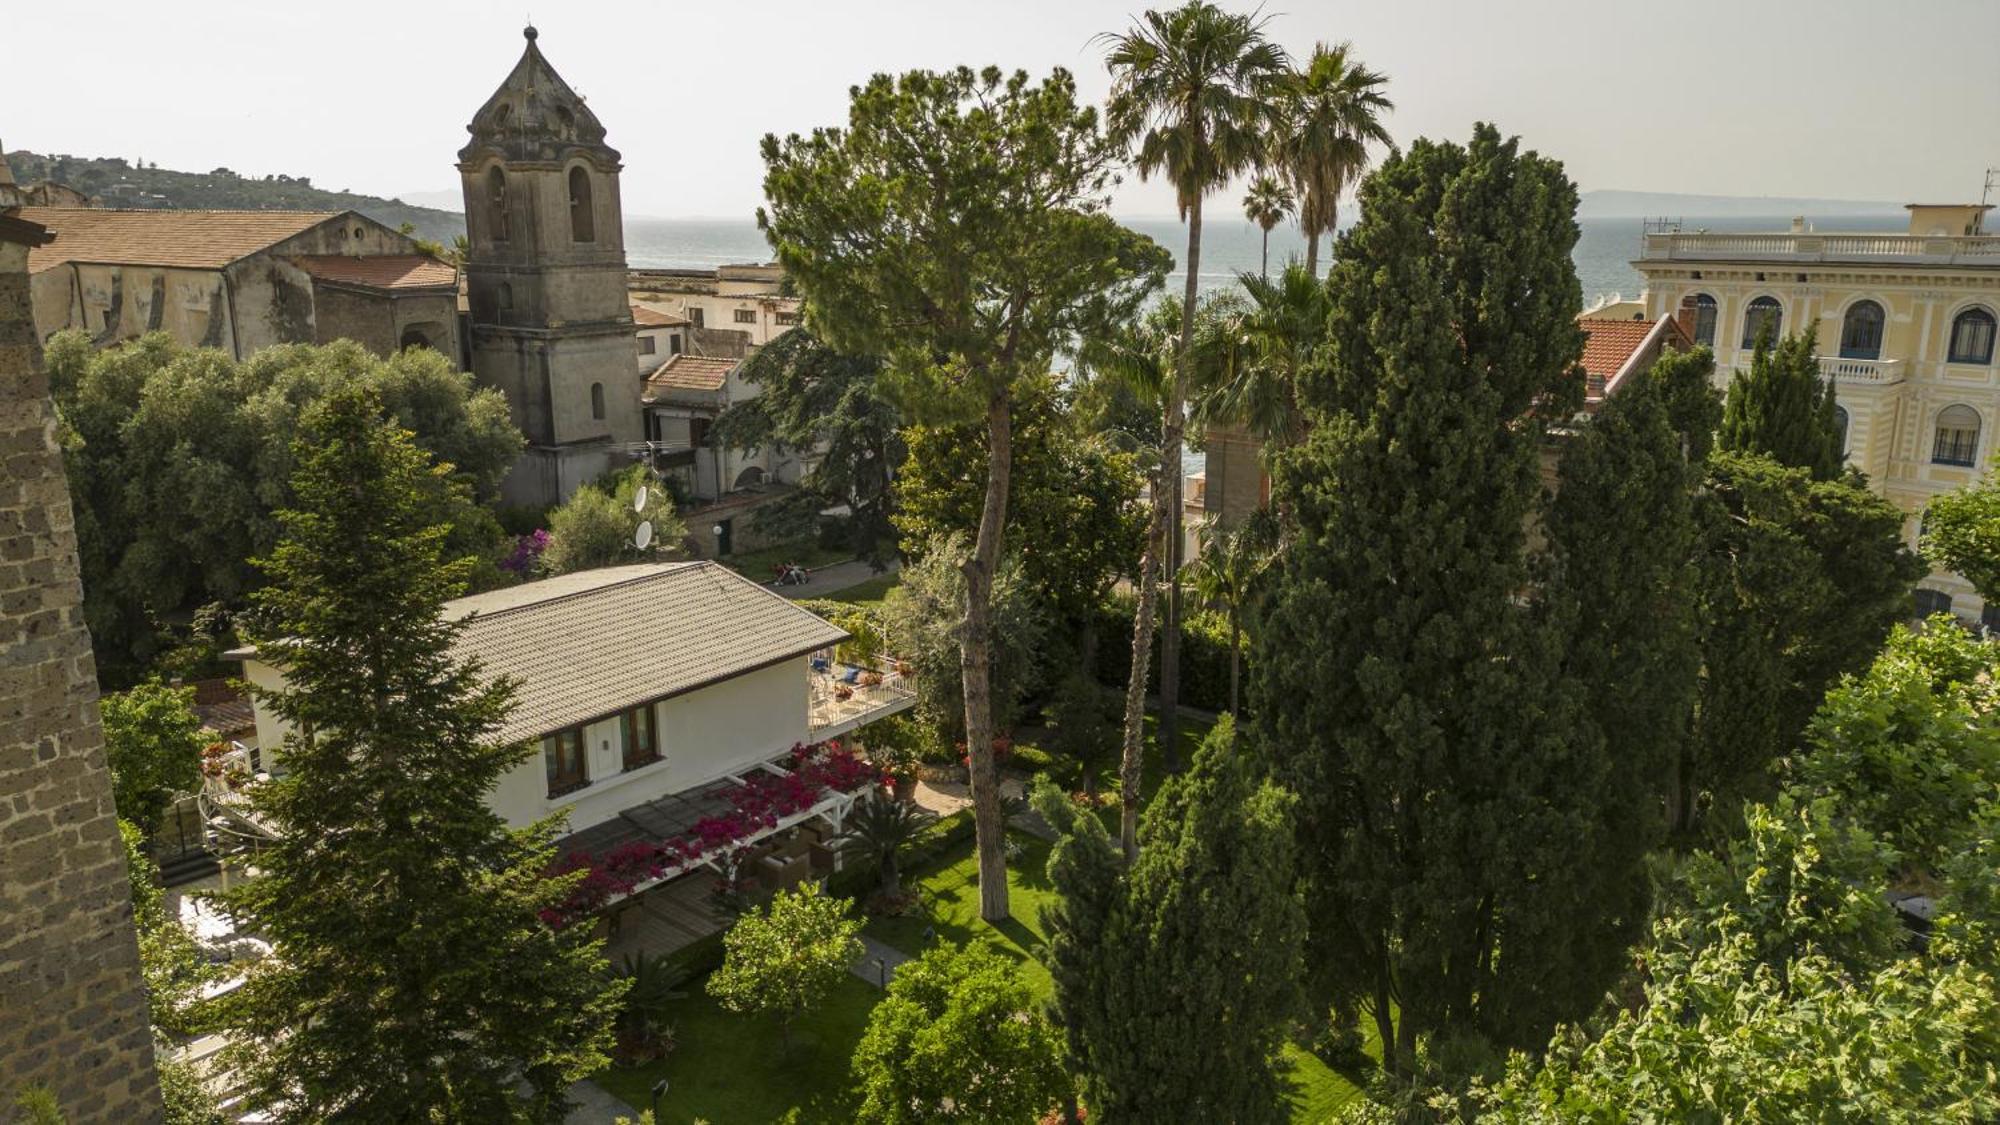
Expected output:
(1782, 986)
(1176, 981)
(1395, 663)
(1072, 510)
(811, 397)
(597, 526)
(1962, 534)
(781, 959)
(1330, 111)
(1801, 579)
(1782, 408)
(412, 978)
(152, 742)
(877, 832)
(957, 228)
(921, 619)
(959, 1037)
(174, 967)
(149, 425)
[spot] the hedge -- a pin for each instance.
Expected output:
(1204, 654)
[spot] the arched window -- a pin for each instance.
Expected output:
(496, 203)
(1861, 331)
(1957, 436)
(1840, 426)
(597, 401)
(582, 222)
(1931, 601)
(750, 477)
(1704, 319)
(413, 338)
(1972, 337)
(1764, 317)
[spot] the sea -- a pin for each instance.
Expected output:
(1232, 246)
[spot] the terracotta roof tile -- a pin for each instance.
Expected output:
(1608, 343)
(184, 239)
(586, 645)
(654, 318)
(691, 373)
(381, 271)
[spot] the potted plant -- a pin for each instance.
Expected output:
(895, 745)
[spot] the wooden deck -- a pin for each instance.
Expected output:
(666, 918)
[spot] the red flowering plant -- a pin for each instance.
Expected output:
(1003, 748)
(757, 805)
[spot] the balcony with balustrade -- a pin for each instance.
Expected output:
(1806, 247)
(847, 696)
(1861, 372)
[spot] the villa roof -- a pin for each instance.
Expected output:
(691, 373)
(381, 271)
(654, 318)
(587, 645)
(1612, 344)
(176, 239)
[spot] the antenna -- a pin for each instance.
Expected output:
(639, 501)
(643, 538)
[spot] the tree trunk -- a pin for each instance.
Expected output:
(1264, 265)
(1235, 637)
(1166, 496)
(1312, 253)
(1170, 642)
(975, 659)
(1385, 1024)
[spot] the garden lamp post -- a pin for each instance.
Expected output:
(659, 1091)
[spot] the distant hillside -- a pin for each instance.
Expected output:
(120, 183)
(1652, 204)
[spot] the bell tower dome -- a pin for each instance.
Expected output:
(551, 325)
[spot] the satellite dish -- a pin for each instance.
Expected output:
(639, 501)
(644, 537)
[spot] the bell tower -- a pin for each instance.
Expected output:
(551, 325)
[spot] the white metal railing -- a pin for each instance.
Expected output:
(834, 701)
(1974, 249)
(1873, 372)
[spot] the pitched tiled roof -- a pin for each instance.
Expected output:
(691, 373)
(588, 645)
(381, 271)
(1608, 343)
(184, 239)
(654, 318)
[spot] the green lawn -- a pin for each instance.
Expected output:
(733, 1070)
(870, 592)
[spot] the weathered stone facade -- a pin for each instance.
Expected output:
(72, 1004)
(550, 323)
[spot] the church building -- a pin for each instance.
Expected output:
(550, 323)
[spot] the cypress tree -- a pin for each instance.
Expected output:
(1403, 683)
(1781, 408)
(1176, 982)
(411, 979)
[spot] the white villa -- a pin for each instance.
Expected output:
(654, 691)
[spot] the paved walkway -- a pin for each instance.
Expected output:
(832, 579)
(595, 1106)
(873, 951)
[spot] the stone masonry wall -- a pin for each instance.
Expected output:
(72, 1004)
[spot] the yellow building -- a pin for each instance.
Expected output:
(1905, 325)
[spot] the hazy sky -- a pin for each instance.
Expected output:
(1848, 99)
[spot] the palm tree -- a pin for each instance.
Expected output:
(1273, 338)
(1190, 89)
(877, 831)
(1222, 574)
(1330, 111)
(1266, 204)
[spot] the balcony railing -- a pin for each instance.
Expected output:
(846, 696)
(1972, 250)
(1861, 372)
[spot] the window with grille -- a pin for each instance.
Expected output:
(1704, 319)
(1957, 436)
(746, 316)
(1764, 317)
(1972, 337)
(1861, 331)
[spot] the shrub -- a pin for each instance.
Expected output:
(1204, 654)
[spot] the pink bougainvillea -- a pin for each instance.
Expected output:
(757, 805)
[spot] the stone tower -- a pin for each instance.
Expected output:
(551, 323)
(72, 1003)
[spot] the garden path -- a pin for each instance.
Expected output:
(873, 951)
(594, 1105)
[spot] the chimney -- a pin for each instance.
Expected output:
(1798, 224)
(1685, 318)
